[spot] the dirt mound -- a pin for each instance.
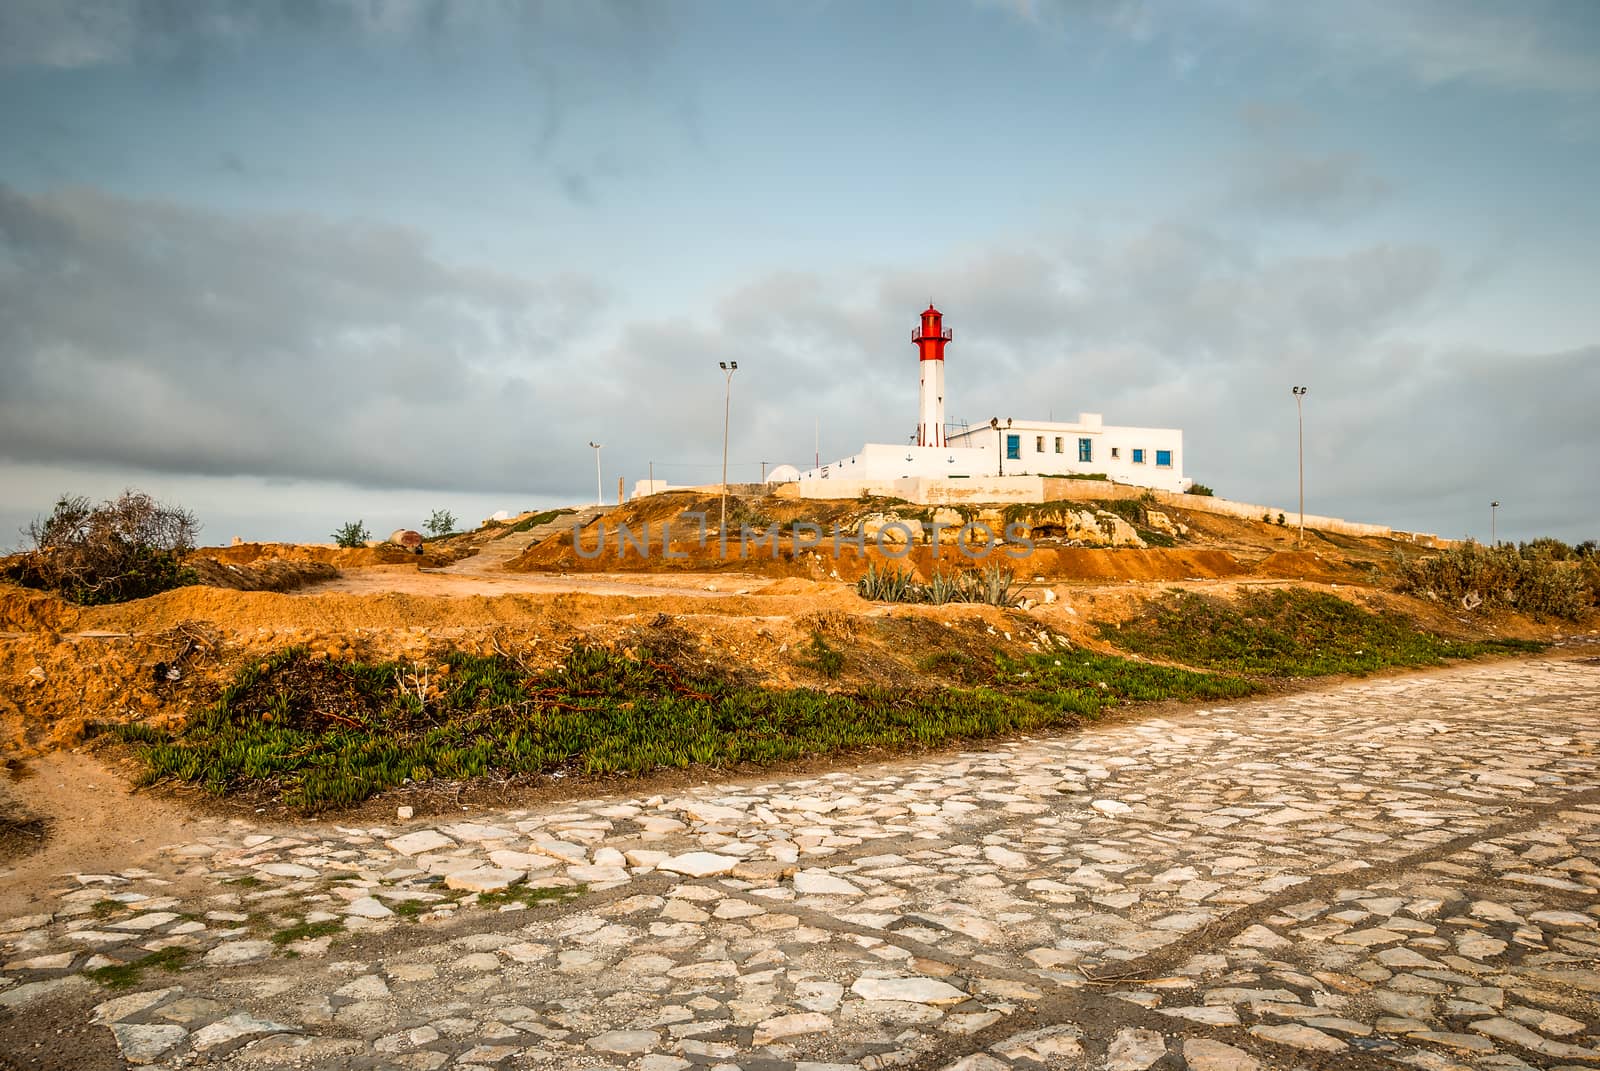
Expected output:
(24, 610)
(1306, 565)
(266, 574)
(52, 688)
(1157, 564)
(792, 586)
(340, 557)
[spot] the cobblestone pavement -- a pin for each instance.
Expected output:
(1404, 871)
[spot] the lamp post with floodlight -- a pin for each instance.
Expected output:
(1493, 506)
(1300, 415)
(999, 442)
(599, 495)
(728, 369)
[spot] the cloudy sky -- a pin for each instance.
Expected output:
(292, 263)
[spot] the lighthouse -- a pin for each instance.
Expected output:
(930, 337)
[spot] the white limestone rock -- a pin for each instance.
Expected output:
(698, 864)
(146, 1044)
(911, 990)
(420, 842)
(485, 879)
(816, 882)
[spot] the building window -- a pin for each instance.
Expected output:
(1163, 459)
(1060, 446)
(1038, 444)
(1085, 449)
(1014, 447)
(1138, 456)
(1116, 452)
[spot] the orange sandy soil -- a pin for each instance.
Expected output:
(66, 669)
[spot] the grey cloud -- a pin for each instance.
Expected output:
(155, 336)
(142, 336)
(1329, 186)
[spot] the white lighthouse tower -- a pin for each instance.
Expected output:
(930, 338)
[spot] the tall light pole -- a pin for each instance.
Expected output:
(999, 442)
(1300, 414)
(728, 369)
(1492, 507)
(599, 495)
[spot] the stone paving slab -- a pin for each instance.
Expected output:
(1400, 872)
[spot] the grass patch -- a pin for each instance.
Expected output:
(127, 975)
(1085, 683)
(528, 523)
(1288, 632)
(104, 909)
(319, 734)
(305, 931)
(410, 909)
(246, 881)
(823, 658)
(529, 897)
(957, 665)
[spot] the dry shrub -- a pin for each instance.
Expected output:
(1532, 580)
(125, 548)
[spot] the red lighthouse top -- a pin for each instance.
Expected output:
(931, 335)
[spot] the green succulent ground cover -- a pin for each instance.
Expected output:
(316, 734)
(1289, 632)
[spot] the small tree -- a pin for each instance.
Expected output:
(441, 522)
(354, 534)
(125, 548)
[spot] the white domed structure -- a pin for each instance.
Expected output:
(783, 474)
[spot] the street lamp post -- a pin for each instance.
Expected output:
(728, 369)
(1493, 506)
(599, 495)
(1300, 415)
(999, 443)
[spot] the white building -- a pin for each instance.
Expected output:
(1147, 457)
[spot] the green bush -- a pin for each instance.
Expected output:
(1537, 579)
(441, 522)
(1201, 490)
(130, 547)
(353, 534)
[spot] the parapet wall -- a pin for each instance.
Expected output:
(994, 489)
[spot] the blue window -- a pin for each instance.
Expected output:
(1014, 447)
(1163, 459)
(1085, 449)
(1138, 456)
